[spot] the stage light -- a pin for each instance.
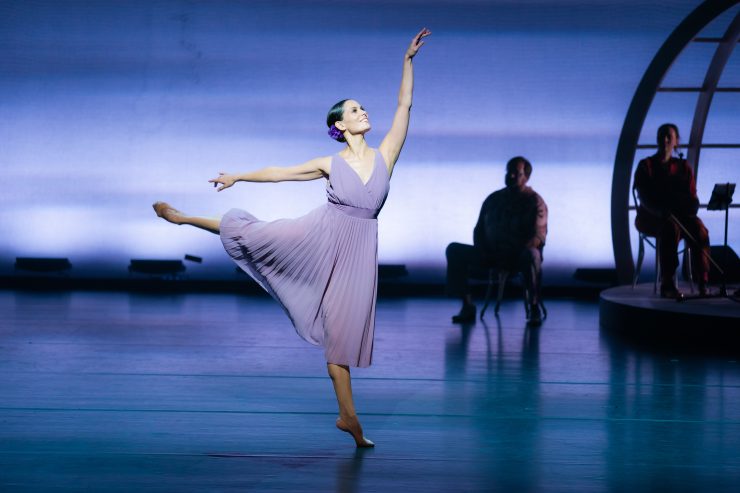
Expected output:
(157, 267)
(42, 264)
(391, 271)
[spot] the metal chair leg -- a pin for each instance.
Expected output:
(640, 258)
(489, 292)
(690, 270)
(502, 275)
(657, 265)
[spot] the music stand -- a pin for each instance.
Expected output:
(720, 201)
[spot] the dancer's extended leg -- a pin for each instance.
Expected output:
(347, 420)
(170, 214)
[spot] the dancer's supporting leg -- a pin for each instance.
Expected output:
(170, 214)
(347, 420)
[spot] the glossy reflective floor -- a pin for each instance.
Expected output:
(131, 392)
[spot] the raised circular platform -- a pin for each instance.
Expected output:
(641, 315)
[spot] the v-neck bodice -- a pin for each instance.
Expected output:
(372, 172)
(345, 187)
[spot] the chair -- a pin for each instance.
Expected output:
(644, 238)
(501, 276)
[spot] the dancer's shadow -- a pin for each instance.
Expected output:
(349, 471)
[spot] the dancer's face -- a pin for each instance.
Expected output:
(355, 118)
(516, 178)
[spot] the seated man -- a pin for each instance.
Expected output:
(667, 192)
(510, 235)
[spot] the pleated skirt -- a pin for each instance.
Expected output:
(322, 268)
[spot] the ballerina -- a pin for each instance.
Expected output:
(323, 267)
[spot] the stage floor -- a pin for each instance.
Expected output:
(131, 392)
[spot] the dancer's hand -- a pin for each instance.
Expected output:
(223, 179)
(417, 43)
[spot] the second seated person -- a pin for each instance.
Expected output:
(666, 187)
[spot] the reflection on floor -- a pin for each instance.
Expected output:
(128, 392)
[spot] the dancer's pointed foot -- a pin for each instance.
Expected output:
(167, 212)
(352, 426)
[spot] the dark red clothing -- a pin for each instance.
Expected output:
(665, 189)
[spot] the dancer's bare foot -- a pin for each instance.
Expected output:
(167, 212)
(352, 426)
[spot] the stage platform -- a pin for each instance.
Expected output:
(641, 315)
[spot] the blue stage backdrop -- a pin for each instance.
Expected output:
(108, 106)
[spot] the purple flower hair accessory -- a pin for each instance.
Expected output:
(335, 133)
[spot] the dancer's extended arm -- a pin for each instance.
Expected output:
(391, 146)
(310, 170)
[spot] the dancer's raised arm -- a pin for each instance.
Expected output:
(310, 170)
(391, 146)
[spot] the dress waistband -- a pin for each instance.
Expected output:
(355, 211)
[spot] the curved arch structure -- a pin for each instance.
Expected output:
(709, 87)
(639, 107)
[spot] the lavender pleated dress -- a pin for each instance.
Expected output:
(322, 267)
